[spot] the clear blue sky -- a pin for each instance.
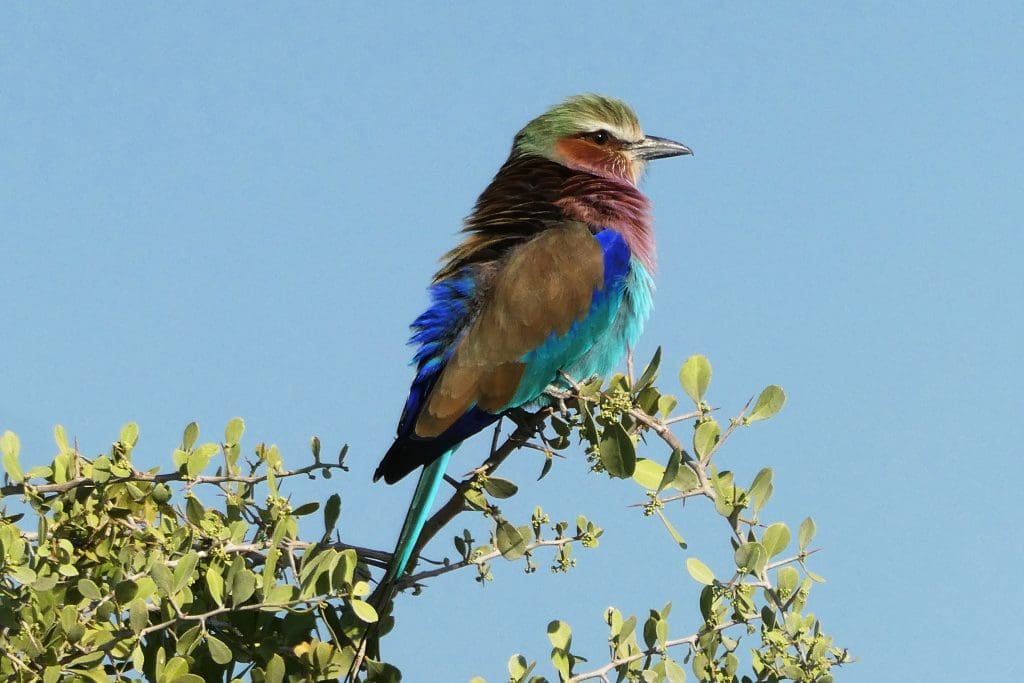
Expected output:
(225, 211)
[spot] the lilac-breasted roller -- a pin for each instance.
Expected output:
(552, 279)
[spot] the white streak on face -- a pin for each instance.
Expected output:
(631, 135)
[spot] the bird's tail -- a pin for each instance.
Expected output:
(416, 517)
(419, 509)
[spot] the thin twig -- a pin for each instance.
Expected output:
(137, 476)
(493, 555)
(690, 640)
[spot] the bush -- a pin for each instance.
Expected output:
(111, 573)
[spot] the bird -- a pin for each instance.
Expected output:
(553, 279)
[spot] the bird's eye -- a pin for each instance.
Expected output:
(600, 136)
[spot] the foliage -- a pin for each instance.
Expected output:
(111, 573)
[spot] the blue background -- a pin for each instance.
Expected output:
(221, 211)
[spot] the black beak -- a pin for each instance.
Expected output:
(652, 147)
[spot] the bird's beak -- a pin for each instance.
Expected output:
(652, 147)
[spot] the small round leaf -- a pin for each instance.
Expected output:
(695, 376)
(700, 572)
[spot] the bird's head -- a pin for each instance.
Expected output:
(596, 134)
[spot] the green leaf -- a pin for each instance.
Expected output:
(588, 428)
(768, 403)
(215, 584)
(617, 451)
(163, 578)
(560, 660)
(130, 434)
(793, 672)
(560, 635)
(306, 509)
(194, 511)
(806, 533)
(673, 672)
(101, 469)
(183, 570)
(364, 611)
(189, 640)
(700, 572)
(666, 404)
(761, 488)
(243, 585)
(188, 438)
(332, 509)
(179, 458)
(676, 536)
(200, 458)
(347, 561)
(661, 630)
(500, 488)
(695, 376)
(613, 618)
(518, 668)
(511, 543)
(186, 678)
(161, 493)
(775, 538)
(234, 430)
(219, 652)
(671, 470)
(475, 499)
(125, 591)
(60, 437)
(686, 478)
(25, 575)
(89, 589)
(44, 584)
(275, 670)
(10, 446)
(651, 629)
(705, 437)
(278, 595)
(787, 579)
(648, 474)
(751, 557)
(650, 372)
(138, 616)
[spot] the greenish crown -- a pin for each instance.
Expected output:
(578, 114)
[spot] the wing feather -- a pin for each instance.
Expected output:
(546, 285)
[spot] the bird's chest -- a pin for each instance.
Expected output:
(628, 310)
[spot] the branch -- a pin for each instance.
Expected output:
(493, 555)
(136, 476)
(690, 640)
(528, 423)
(124, 634)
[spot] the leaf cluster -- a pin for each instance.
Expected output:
(108, 572)
(129, 574)
(765, 595)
